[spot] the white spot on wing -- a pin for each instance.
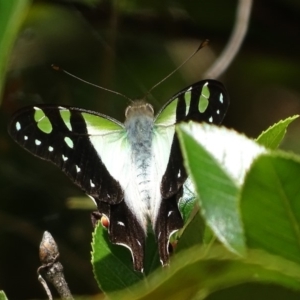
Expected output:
(210, 119)
(179, 174)
(121, 223)
(169, 213)
(37, 142)
(25, 137)
(218, 111)
(221, 98)
(69, 142)
(92, 184)
(77, 169)
(18, 126)
(65, 158)
(138, 242)
(189, 89)
(50, 148)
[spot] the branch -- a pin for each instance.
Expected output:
(235, 41)
(52, 268)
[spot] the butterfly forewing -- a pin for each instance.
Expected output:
(60, 135)
(205, 101)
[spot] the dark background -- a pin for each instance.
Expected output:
(128, 47)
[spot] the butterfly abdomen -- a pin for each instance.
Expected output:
(139, 126)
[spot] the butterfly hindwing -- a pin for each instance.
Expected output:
(125, 230)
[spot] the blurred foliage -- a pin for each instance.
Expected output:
(127, 46)
(12, 15)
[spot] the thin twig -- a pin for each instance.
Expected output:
(45, 286)
(52, 268)
(235, 41)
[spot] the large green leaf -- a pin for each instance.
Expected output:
(217, 160)
(11, 17)
(270, 204)
(272, 137)
(196, 273)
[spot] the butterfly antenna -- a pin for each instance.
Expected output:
(57, 68)
(202, 44)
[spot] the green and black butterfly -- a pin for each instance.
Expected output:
(133, 171)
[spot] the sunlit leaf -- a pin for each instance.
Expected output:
(217, 160)
(272, 137)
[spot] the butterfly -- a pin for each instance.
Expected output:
(134, 170)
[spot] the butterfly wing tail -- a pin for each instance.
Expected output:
(168, 221)
(125, 230)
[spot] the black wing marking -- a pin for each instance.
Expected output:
(125, 230)
(169, 218)
(80, 162)
(218, 103)
(168, 221)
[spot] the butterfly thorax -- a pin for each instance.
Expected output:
(139, 127)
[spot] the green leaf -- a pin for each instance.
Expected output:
(272, 137)
(188, 200)
(270, 204)
(11, 17)
(192, 235)
(112, 264)
(3, 296)
(217, 170)
(196, 273)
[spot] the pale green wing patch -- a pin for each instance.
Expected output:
(167, 116)
(205, 94)
(110, 141)
(99, 125)
(43, 122)
(66, 117)
(96, 124)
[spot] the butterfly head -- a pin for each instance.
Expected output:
(138, 108)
